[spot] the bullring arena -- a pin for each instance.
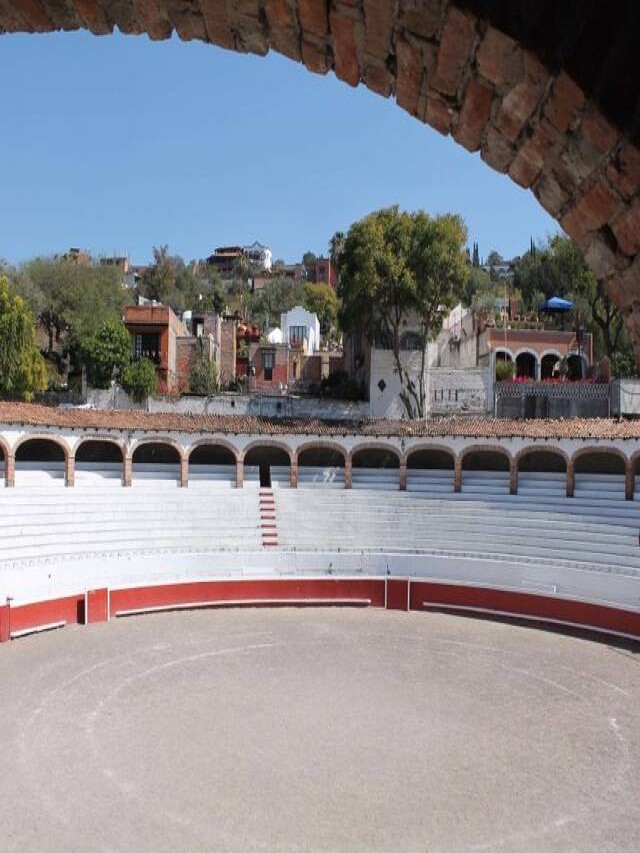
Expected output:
(263, 645)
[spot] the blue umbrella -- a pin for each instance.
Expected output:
(556, 304)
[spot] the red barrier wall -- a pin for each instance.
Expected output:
(397, 594)
(527, 605)
(422, 595)
(247, 590)
(97, 606)
(70, 609)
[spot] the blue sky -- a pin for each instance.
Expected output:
(118, 144)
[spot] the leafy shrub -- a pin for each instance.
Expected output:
(204, 379)
(139, 380)
(504, 371)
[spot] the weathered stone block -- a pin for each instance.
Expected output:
(627, 229)
(456, 43)
(474, 115)
(409, 75)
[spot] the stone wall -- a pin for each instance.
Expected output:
(448, 390)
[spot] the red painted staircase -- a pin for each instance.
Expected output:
(268, 523)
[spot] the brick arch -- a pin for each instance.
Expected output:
(547, 108)
(484, 448)
(266, 442)
(322, 445)
(603, 450)
(539, 449)
(5, 450)
(376, 445)
(54, 439)
(217, 442)
(440, 448)
(159, 439)
(119, 443)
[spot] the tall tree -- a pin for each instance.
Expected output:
(558, 268)
(22, 369)
(336, 250)
(402, 269)
(320, 298)
(476, 256)
(159, 278)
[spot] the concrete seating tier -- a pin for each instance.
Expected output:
(43, 521)
(320, 477)
(539, 524)
(280, 475)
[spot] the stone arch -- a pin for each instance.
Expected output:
(269, 462)
(99, 456)
(101, 439)
(322, 463)
(43, 458)
(600, 468)
(435, 456)
(544, 468)
(212, 459)
(159, 459)
(332, 449)
(527, 363)
(377, 465)
(213, 443)
(546, 458)
(553, 113)
(486, 467)
(600, 457)
(268, 443)
(548, 359)
(44, 438)
(156, 440)
(376, 448)
(430, 468)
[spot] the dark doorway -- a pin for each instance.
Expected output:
(265, 475)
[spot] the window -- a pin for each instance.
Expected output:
(268, 361)
(146, 346)
(297, 335)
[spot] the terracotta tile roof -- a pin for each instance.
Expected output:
(462, 427)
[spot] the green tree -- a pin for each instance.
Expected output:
(70, 300)
(22, 368)
(309, 259)
(280, 294)
(321, 299)
(106, 353)
(159, 279)
(402, 269)
(336, 250)
(558, 268)
(139, 380)
(204, 378)
(476, 256)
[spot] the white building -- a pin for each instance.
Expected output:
(259, 254)
(301, 328)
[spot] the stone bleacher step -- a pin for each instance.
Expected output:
(268, 521)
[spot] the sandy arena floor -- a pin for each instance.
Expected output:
(319, 730)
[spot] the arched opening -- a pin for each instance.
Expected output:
(267, 465)
(212, 463)
(485, 471)
(321, 466)
(3, 464)
(430, 470)
(504, 365)
(40, 461)
(98, 461)
(157, 463)
(599, 475)
(542, 474)
(576, 367)
(526, 366)
(549, 366)
(375, 468)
